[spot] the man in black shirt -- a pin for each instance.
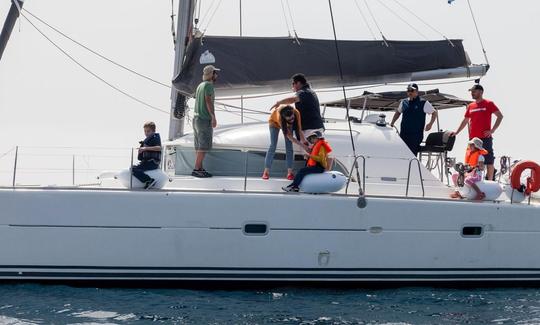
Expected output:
(149, 155)
(305, 101)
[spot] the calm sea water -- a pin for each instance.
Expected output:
(53, 304)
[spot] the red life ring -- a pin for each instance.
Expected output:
(533, 182)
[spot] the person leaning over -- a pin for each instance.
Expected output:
(478, 117)
(306, 102)
(204, 119)
(149, 155)
(287, 119)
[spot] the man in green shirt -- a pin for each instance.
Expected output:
(204, 119)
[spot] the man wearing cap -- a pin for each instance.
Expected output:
(204, 119)
(413, 122)
(306, 102)
(478, 117)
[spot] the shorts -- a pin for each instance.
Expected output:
(489, 159)
(203, 133)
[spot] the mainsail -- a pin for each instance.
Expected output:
(256, 65)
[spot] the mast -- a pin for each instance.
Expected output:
(13, 14)
(184, 28)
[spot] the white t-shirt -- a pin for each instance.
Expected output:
(428, 108)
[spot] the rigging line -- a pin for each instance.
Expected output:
(245, 109)
(402, 19)
(172, 22)
(285, 18)
(292, 20)
(206, 12)
(7, 153)
(95, 52)
(421, 19)
(212, 17)
(340, 68)
(91, 72)
(361, 198)
(478, 32)
(375, 21)
(365, 19)
(238, 114)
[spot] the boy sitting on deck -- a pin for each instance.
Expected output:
(317, 163)
(474, 158)
(149, 155)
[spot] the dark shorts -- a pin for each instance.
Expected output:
(489, 159)
(203, 133)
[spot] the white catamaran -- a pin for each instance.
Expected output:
(391, 222)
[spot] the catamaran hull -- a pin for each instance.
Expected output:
(120, 235)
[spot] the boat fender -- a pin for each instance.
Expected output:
(327, 182)
(532, 183)
(491, 189)
(123, 177)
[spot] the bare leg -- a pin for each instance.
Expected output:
(199, 159)
(479, 194)
(490, 172)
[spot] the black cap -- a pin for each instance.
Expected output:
(477, 87)
(412, 86)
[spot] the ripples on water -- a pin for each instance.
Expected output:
(48, 304)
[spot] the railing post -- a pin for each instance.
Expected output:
(73, 171)
(246, 170)
(130, 171)
(362, 186)
(15, 166)
(419, 174)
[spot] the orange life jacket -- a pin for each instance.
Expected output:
(471, 158)
(315, 152)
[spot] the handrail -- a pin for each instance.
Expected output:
(363, 185)
(409, 177)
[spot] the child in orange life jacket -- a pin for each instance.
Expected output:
(474, 157)
(318, 160)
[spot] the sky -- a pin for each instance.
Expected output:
(48, 101)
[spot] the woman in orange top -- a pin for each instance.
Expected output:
(289, 121)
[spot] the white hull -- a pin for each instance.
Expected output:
(75, 234)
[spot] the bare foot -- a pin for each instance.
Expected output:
(480, 196)
(456, 195)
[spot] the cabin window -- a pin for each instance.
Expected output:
(229, 162)
(472, 231)
(255, 229)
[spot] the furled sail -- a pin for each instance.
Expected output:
(264, 65)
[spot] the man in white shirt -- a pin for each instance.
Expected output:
(413, 122)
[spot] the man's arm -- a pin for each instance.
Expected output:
(499, 116)
(286, 101)
(153, 148)
(395, 118)
(210, 108)
(433, 119)
(461, 126)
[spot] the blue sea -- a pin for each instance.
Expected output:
(58, 304)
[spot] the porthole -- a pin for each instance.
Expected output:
(472, 231)
(258, 229)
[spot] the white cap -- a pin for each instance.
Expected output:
(478, 143)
